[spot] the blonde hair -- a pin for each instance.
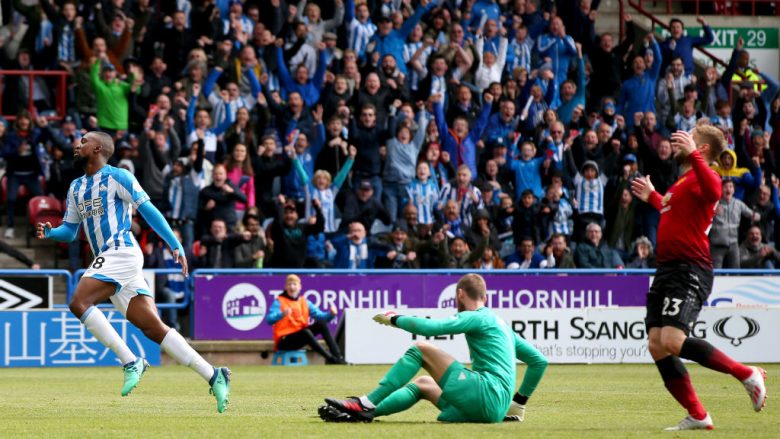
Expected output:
(292, 277)
(324, 174)
(712, 136)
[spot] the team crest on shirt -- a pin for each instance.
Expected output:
(93, 207)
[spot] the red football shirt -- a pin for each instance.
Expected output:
(687, 211)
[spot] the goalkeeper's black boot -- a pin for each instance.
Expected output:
(353, 407)
(332, 414)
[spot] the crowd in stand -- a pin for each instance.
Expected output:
(388, 133)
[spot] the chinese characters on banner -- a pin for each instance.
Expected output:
(57, 338)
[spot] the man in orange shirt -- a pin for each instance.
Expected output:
(289, 315)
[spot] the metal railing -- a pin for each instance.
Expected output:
(72, 280)
(61, 93)
(720, 7)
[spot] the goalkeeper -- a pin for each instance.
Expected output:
(480, 394)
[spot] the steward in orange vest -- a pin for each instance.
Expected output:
(290, 314)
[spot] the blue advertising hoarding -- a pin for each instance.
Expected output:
(57, 338)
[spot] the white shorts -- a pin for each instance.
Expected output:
(122, 267)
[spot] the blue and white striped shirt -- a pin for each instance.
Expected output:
(450, 192)
(103, 203)
(425, 197)
(590, 194)
(66, 49)
(359, 34)
(562, 222)
(409, 50)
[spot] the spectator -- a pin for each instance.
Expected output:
(527, 168)
(724, 243)
(325, 189)
(460, 142)
(239, 171)
(643, 254)
(253, 251)
(218, 200)
(217, 249)
(290, 314)
(423, 195)
(556, 213)
(671, 89)
(592, 253)
(768, 206)
(454, 253)
(491, 63)
(525, 257)
(589, 195)
(573, 92)
(399, 170)
(198, 126)
(361, 205)
(369, 139)
(680, 45)
(355, 251)
(388, 41)
(490, 260)
(289, 238)
(753, 253)
(308, 88)
(621, 227)
(558, 254)
(638, 92)
(460, 191)
(180, 201)
(267, 166)
(111, 94)
(360, 29)
(744, 178)
(23, 156)
(157, 151)
(559, 47)
(402, 250)
(607, 62)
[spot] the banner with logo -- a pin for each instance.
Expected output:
(748, 291)
(57, 338)
(590, 335)
(235, 307)
(26, 292)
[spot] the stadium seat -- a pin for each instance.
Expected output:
(43, 209)
(289, 358)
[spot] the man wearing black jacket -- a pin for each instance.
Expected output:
(267, 166)
(289, 237)
(369, 140)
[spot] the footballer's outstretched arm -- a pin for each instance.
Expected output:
(67, 232)
(458, 324)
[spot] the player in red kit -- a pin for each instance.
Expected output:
(684, 277)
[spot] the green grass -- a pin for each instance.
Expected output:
(572, 401)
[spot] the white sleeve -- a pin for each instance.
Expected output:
(71, 209)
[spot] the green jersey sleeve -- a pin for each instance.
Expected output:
(460, 323)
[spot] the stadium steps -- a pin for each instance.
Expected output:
(42, 252)
(240, 352)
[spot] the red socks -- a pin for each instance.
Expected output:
(678, 383)
(700, 351)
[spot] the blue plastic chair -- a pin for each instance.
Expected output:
(289, 358)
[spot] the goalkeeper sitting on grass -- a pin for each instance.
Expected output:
(480, 394)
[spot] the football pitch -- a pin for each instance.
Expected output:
(572, 401)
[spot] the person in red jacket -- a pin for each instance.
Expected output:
(289, 315)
